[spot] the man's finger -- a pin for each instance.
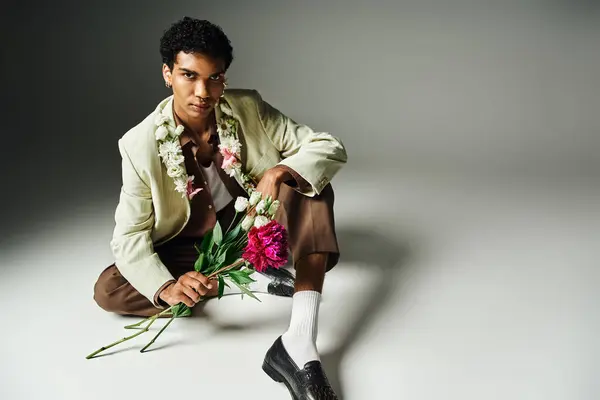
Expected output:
(195, 285)
(193, 295)
(183, 298)
(204, 280)
(194, 280)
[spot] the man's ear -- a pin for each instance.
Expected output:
(167, 76)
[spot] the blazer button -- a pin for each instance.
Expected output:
(210, 207)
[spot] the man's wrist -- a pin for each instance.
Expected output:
(163, 290)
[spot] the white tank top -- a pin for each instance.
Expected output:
(218, 190)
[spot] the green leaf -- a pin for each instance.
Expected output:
(186, 312)
(217, 234)
(198, 249)
(245, 290)
(217, 262)
(220, 260)
(181, 310)
(232, 277)
(221, 286)
(207, 242)
(233, 234)
(248, 272)
(199, 263)
(209, 270)
(240, 277)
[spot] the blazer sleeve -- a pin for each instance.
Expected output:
(315, 156)
(131, 243)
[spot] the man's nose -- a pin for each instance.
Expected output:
(201, 90)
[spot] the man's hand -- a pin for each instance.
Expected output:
(188, 289)
(271, 182)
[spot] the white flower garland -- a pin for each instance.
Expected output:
(169, 150)
(231, 147)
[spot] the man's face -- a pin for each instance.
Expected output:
(198, 82)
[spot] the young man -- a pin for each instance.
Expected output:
(157, 226)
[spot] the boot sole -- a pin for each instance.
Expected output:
(277, 377)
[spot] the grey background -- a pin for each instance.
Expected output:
(448, 86)
(472, 129)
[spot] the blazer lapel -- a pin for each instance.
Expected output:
(167, 111)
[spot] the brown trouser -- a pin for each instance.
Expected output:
(308, 220)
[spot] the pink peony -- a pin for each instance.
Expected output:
(267, 246)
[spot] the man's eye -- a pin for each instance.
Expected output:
(188, 75)
(215, 77)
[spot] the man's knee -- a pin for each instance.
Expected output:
(328, 258)
(104, 289)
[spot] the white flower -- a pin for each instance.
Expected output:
(225, 128)
(241, 203)
(274, 207)
(261, 207)
(179, 130)
(160, 119)
(161, 133)
(174, 160)
(226, 142)
(236, 148)
(167, 150)
(181, 185)
(175, 171)
(260, 221)
(231, 144)
(255, 198)
(247, 223)
(225, 109)
(268, 201)
(232, 168)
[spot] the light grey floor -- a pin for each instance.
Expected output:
(448, 288)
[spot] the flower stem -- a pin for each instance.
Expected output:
(232, 221)
(241, 240)
(135, 326)
(153, 318)
(101, 349)
(157, 335)
(239, 262)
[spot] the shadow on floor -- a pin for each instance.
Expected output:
(388, 258)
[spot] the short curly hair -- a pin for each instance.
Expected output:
(192, 35)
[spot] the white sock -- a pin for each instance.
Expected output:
(300, 340)
(260, 286)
